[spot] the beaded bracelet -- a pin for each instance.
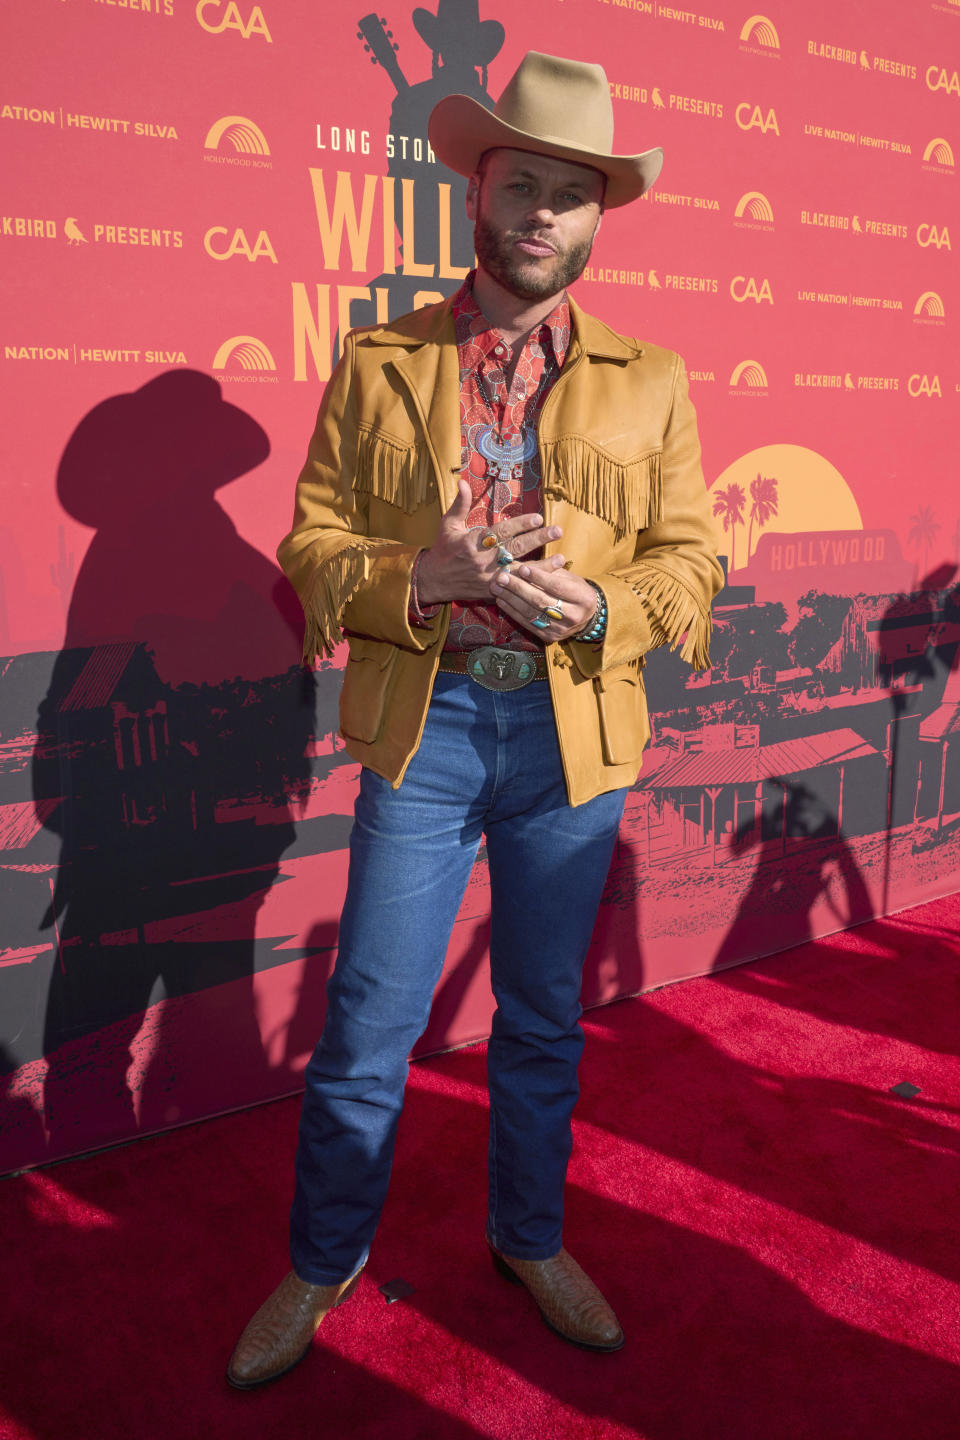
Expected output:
(597, 628)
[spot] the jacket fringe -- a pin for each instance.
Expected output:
(674, 612)
(334, 586)
(400, 474)
(627, 494)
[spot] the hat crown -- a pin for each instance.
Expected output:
(563, 100)
(551, 106)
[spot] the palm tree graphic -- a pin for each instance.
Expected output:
(766, 504)
(729, 503)
(923, 531)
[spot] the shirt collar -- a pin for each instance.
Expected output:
(470, 324)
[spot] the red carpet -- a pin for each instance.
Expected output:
(776, 1230)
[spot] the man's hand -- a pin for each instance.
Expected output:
(458, 567)
(529, 591)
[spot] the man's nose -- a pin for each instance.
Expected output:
(540, 214)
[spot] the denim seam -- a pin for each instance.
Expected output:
(492, 1202)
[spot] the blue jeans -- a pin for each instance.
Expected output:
(488, 763)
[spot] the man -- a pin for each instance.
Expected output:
(503, 510)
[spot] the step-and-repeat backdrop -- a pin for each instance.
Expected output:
(200, 196)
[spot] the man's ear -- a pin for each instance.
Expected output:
(473, 195)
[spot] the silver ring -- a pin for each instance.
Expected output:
(553, 611)
(541, 621)
(504, 558)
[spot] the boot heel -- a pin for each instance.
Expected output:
(350, 1288)
(502, 1268)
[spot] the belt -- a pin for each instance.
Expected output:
(495, 668)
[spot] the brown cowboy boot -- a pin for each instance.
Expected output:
(280, 1333)
(567, 1299)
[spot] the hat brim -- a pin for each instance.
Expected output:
(461, 129)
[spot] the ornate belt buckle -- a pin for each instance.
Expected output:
(497, 669)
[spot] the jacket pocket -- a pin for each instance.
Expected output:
(366, 680)
(622, 705)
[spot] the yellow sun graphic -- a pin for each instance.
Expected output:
(809, 495)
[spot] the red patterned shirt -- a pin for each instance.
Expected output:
(498, 436)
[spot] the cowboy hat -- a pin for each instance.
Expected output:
(552, 107)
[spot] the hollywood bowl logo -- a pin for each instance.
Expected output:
(939, 155)
(759, 32)
(243, 134)
(754, 211)
(749, 377)
(929, 309)
(247, 352)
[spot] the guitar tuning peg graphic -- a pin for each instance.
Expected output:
(383, 20)
(389, 34)
(359, 34)
(367, 48)
(395, 45)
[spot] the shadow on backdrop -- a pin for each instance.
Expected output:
(168, 747)
(802, 858)
(917, 655)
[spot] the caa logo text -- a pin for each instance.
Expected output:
(927, 385)
(239, 245)
(745, 287)
(940, 79)
(751, 117)
(931, 235)
(215, 17)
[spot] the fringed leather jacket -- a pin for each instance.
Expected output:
(621, 477)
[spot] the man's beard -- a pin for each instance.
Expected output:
(527, 279)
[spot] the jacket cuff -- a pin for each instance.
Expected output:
(628, 630)
(420, 615)
(380, 607)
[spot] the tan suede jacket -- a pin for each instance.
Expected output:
(621, 476)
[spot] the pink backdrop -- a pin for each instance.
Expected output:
(199, 196)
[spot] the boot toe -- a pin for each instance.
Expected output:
(567, 1299)
(280, 1333)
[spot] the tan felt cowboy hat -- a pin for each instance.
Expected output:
(552, 107)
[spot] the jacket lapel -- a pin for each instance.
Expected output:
(591, 335)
